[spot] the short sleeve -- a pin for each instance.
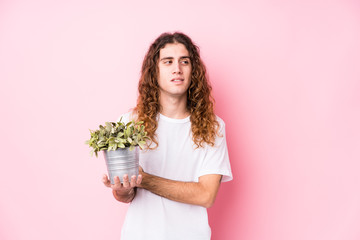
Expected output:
(126, 117)
(216, 159)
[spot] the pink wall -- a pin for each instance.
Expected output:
(286, 77)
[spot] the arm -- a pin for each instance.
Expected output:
(123, 192)
(201, 193)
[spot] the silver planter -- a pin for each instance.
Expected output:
(122, 161)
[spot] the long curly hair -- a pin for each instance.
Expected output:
(200, 103)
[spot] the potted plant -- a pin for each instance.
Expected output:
(120, 144)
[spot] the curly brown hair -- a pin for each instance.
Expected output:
(200, 103)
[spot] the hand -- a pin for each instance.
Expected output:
(123, 192)
(126, 185)
(141, 171)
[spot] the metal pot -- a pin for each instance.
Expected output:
(122, 161)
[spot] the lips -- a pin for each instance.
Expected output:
(177, 80)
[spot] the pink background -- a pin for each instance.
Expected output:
(286, 77)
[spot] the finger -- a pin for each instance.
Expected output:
(104, 178)
(126, 181)
(133, 181)
(139, 179)
(106, 181)
(117, 181)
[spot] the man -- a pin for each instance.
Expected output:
(187, 156)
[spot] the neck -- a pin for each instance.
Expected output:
(173, 107)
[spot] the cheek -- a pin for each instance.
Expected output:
(189, 71)
(162, 80)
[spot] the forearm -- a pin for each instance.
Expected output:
(196, 193)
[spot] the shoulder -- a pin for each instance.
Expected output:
(221, 122)
(127, 117)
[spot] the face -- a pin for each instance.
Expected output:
(174, 75)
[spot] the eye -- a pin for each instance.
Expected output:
(167, 62)
(185, 62)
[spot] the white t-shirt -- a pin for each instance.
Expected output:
(152, 217)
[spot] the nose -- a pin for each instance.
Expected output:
(177, 68)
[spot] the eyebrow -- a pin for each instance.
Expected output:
(182, 57)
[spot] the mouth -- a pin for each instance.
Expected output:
(177, 80)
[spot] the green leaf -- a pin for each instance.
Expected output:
(108, 126)
(117, 135)
(129, 130)
(142, 144)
